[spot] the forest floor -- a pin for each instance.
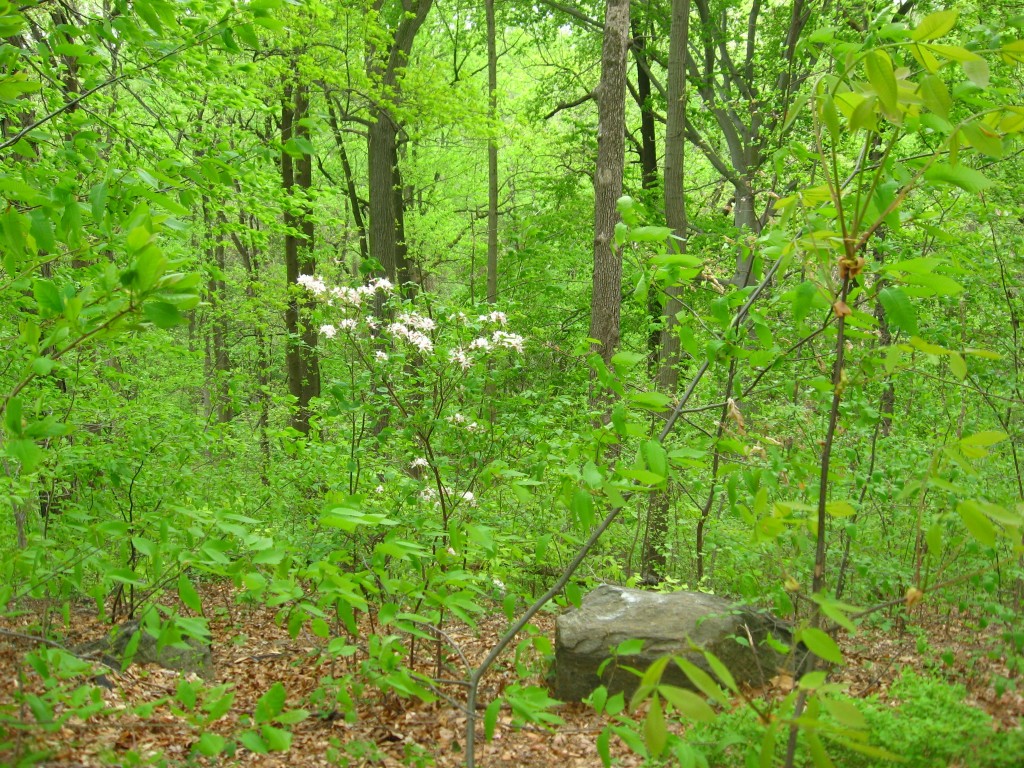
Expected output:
(252, 652)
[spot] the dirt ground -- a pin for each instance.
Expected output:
(252, 652)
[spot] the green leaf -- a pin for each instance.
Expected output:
(721, 671)
(957, 365)
(935, 95)
(26, 453)
(688, 703)
(619, 419)
(649, 234)
(983, 138)
(934, 25)
(643, 476)
(845, 712)
(319, 627)
(583, 507)
(270, 703)
(604, 747)
(938, 285)
(984, 439)
(865, 117)
(840, 509)
(898, 309)
(830, 116)
(651, 401)
(210, 744)
(821, 645)
(959, 175)
(188, 594)
(491, 718)
(977, 72)
(592, 475)
(254, 743)
(701, 680)
(955, 52)
(13, 419)
(629, 647)
(819, 756)
(47, 297)
(125, 576)
(803, 297)
(976, 522)
(622, 362)
(656, 458)
(299, 146)
(162, 314)
(882, 77)
(42, 366)
(655, 730)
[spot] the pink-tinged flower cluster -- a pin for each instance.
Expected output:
(499, 339)
(494, 317)
(418, 339)
(343, 295)
(459, 420)
(419, 322)
(413, 329)
(459, 356)
(508, 340)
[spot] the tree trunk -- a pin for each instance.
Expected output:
(648, 134)
(301, 362)
(492, 158)
(653, 560)
(350, 184)
(611, 152)
(387, 245)
(218, 360)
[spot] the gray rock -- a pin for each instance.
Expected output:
(667, 623)
(191, 655)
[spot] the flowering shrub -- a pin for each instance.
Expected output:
(429, 380)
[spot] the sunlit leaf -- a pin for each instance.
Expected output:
(821, 645)
(935, 25)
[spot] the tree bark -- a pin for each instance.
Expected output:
(350, 184)
(302, 365)
(648, 134)
(653, 559)
(385, 210)
(218, 359)
(611, 152)
(492, 158)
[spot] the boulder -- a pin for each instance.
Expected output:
(667, 623)
(191, 655)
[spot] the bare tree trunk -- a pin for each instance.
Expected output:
(611, 152)
(350, 183)
(492, 159)
(301, 362)
(648, 134)
(387, 245)
(653, 560)
(381, 143)
(250, 261)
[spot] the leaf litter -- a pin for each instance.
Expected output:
(252, 652)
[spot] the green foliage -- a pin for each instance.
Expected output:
(454, 467)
